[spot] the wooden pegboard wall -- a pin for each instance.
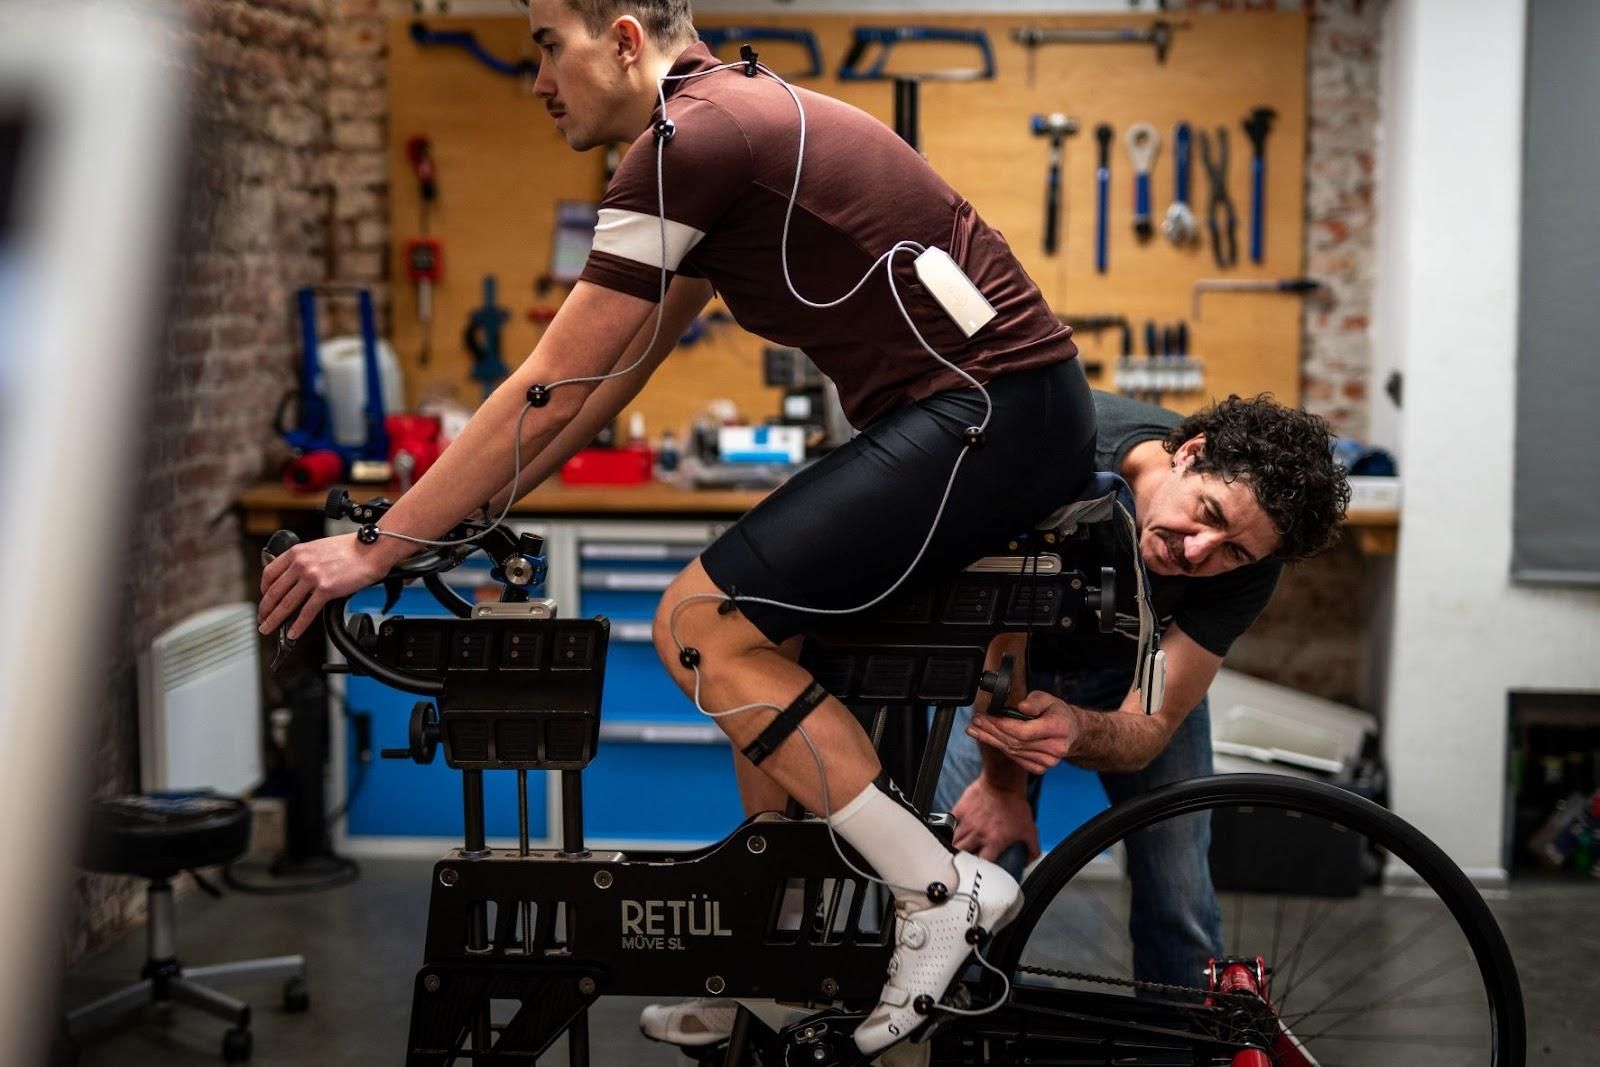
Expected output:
(502, 167)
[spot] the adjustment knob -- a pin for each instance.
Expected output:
(363, 631)
(337, 506)
(1104, 600)
(531, 544)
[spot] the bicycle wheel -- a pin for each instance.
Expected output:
(1416, 972)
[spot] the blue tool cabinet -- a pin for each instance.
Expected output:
(663, 775)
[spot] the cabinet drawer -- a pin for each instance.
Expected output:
(640, 790)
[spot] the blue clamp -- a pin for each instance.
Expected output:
(888, 36)
(718, 36)
(466, 39)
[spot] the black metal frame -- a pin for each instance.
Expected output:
(544, 933)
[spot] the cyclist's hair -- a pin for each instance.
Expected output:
(1285, 455)
(668, 22)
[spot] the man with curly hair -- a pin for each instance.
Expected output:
(1225, 497)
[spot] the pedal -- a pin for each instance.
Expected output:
(826, 1039)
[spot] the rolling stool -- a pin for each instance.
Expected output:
(155, 836)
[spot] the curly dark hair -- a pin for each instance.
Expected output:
(1286, 457)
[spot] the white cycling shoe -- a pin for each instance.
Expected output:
(708, 1020)
(690, 1023)
(931, 947)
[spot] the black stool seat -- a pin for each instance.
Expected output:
(156, 835)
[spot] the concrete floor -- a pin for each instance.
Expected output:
(363, 943)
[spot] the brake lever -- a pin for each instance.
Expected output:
(279, 543)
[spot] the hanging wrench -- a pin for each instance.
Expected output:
(1102, 177)
(1143, 144)
(1256, 127)
(1179, 225)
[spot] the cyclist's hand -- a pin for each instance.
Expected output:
(1035, 745)
(298, 583)
(989, 819)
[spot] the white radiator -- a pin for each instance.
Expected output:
(200, 703)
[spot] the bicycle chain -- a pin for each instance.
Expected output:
(1132, 983)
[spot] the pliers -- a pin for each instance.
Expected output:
(1221, 219)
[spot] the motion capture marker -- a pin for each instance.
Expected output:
(938, 892)
(690, 658)
(664, 129)
(368, 534)
(976, 934)
(922, 1005)
(538, 395)
(973, 436)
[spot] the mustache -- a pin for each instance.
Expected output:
(1175, 552)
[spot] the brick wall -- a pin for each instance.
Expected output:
(254, 223)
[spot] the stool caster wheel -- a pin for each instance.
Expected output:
(295, 997)
(236, 1045)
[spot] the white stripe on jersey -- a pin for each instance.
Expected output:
(636, 236)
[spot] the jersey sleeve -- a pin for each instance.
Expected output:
(705, 167)
(1215, 611)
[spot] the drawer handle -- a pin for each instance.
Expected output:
(628, 581)
(662, 733)
(637, 632)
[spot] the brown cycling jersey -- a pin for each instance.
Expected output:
(727, 173)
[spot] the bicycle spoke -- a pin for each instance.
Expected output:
(1397, 951)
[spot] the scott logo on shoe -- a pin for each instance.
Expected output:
(972, 897)
(663, 925)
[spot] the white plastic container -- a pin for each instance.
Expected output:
(344, 384)
(1263, 726)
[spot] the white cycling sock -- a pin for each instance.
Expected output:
(897, 843)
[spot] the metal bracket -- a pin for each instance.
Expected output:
(1158, 35)
(468, 40)
(887, 37)
(718, 36)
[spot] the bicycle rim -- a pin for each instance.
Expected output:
(1418, 973)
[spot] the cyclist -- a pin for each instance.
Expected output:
(966, 435)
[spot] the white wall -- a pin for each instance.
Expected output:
(1464, 636)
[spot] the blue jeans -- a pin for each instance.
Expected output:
(1175, 922)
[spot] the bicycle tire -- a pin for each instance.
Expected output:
(1477, 925)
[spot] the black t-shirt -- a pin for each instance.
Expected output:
(1212, 611)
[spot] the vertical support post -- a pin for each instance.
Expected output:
(944, 718)
(478, 918)
(572, 813)
(907, 120)
(572, 845)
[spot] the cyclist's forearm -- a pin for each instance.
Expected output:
(685, 298)
(461, 479)
(602, 406)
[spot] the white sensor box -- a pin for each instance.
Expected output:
(954, 291)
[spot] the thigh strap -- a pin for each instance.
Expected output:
(788, 720)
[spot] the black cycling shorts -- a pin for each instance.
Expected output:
(843, 530)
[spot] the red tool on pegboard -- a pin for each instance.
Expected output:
(424, 255)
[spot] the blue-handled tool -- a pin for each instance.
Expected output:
(1256, 127)
(1102, 178)
(1143, 144)
(1179, 224)
(888, 36)
(482, 339)
(717, 36)
(467, 40)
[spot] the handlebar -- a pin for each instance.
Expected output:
(333, 619)
(499, 543)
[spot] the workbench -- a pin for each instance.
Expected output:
(270, 506)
